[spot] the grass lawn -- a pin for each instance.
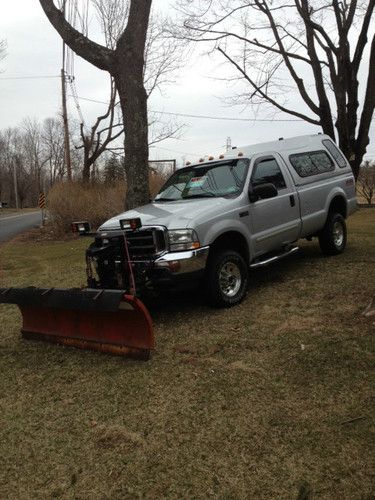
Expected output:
(251, 402)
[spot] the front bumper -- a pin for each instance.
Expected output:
(180, 269)
(184, 262)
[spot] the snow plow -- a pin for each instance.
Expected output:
(106, 320)
(106, 316)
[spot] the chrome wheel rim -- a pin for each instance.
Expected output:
(230, 279)
(338, 234)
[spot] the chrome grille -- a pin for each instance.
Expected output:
(145, 243)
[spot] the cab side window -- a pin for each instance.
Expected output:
(268, 170)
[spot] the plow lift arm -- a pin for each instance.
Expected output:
(110, 321)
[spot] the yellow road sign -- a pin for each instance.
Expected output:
(42, 201)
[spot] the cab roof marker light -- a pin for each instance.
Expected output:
(221, 157)
(201, 160)
(240, 154)
(188, 163)
(210, 158)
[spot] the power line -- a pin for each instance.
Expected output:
(206, 117)
(225, 118)
(76, 101)
(174, 151)
(28, 77)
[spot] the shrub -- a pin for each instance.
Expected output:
(74, 201)
(366, 182)
(95, 202)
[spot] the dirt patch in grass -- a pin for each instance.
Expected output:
(45, 233)
(259, 401)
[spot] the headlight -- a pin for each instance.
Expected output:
(183, 239)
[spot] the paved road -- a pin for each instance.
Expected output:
(11, 225)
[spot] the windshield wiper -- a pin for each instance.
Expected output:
(202, 195)
(164, 199)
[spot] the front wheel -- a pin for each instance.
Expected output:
(332, 238)
(227, 279)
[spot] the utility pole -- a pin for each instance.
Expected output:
(67, 157)
(15, 183)
(68, 162)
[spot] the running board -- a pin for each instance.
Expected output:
(265, 262)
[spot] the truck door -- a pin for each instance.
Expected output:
(275, 222)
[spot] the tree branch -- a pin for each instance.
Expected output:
(96, 54)
(362, 38)
(299, 81)
(324, 111)
(255, 42)
(315, 26)
(368, 105)
(267, 97)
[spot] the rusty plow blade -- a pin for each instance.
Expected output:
(103, 320)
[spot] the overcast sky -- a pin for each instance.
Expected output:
(34, 49)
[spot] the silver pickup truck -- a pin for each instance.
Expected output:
(215, 220)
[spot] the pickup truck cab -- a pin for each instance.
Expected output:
(216, 219)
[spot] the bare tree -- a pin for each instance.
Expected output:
(125, 63)
(4, 177)
(162, 54)
(31, 153)
(366, 181)
(162, 58)
(6, 166)
(31, 160)
(20, 174)
(277, 48)
(53, 149)
(102, 133)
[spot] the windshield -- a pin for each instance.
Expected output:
(205, 181)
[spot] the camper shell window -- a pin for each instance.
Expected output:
(311, 163)
(335, 152)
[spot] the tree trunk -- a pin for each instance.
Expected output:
(126, 65)
(86, 173)
(86, 163)
(356, 164)
(133, 100)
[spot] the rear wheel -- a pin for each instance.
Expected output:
(332, 238)
(227, 279)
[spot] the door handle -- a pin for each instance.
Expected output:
(292, 200)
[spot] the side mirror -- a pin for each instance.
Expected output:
(262, 191)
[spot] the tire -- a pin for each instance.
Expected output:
(226, 279)
(332, 238)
